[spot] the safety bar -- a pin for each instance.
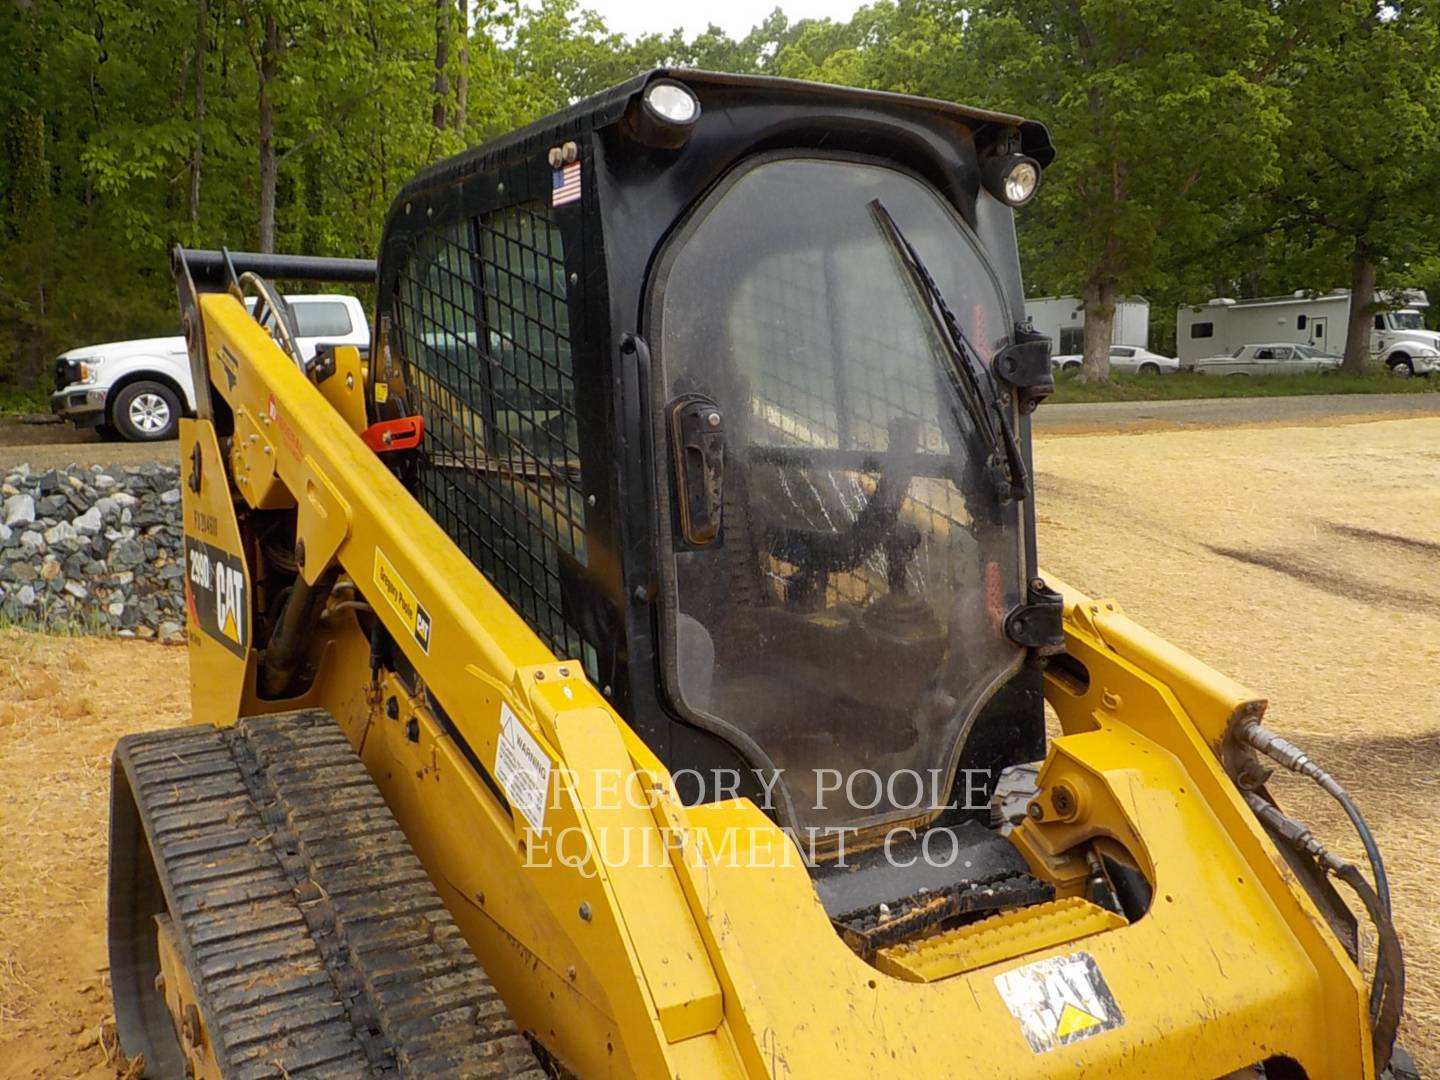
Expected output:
(208, 269)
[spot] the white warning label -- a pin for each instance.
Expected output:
(522, 769)
(1059, 1001)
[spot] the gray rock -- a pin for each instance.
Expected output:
(124, 499)
(63, 531)
(19, 510)
(170, 632)
(32, 540)
(104, 482)
(75, 589)
(24, 571)
(89, 522)
(171, 497)
(25, 596)
(5, 533)
(51, 505)
(127, 555)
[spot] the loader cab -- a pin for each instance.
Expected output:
(725, 391)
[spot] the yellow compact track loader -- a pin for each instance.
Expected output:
(637, 665)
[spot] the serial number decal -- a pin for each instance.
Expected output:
(1059, 1001)
(402, 599)
(217, 595)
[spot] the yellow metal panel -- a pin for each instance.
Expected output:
(616, 800)
(345, 389)
(218, 660)
(324, 522)
(252, 455)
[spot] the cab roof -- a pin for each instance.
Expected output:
(609, 106)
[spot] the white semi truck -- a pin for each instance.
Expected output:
(1398, 338)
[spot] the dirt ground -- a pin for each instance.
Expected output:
(1304, 561)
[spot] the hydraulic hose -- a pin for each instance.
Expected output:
(1387, 988)
(1384, 1014)
(1286, 753)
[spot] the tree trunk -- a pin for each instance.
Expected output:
(462, 78)
(197, 152)
(1362, 315)
(269, 162)
(1099, 298)
(438, 112)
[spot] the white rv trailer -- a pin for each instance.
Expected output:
(1062, 319)
(1224, 325)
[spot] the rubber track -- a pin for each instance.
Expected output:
(317, 944)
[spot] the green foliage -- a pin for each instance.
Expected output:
(1206, 147)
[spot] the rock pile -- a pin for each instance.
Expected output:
(93, 549)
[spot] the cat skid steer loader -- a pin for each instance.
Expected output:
(637, 665)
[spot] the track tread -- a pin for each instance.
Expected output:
(318, 945)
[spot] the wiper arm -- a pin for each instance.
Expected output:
(983, 398)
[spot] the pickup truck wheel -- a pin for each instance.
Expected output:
(1401, 367)
(146, 412)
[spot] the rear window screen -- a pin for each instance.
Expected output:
(322, 319)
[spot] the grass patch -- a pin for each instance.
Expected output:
(57, 619)
(23, 399)
(1069, 390)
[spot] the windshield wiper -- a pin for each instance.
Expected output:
(978, 388)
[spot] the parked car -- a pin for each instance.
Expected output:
(1273, 358)
(138, 390)
(1128, 359)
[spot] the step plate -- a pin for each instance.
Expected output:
(1002, 937)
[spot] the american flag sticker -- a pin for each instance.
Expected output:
(565, 185)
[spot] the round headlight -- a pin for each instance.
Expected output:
(673, 102)
(1021, 182)
(1011, 178)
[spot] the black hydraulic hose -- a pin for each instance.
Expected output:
(1387, 986)
(1286, 753)
(1389, 968)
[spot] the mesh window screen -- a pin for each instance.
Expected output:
(483, 331)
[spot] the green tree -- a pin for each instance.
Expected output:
(1361, 155)
(1163, 118)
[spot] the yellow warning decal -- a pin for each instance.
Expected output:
(1073, 1021)
(402, 600)
(1059, 1001)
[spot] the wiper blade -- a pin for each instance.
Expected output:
(983, 398)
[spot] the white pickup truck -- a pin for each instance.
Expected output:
(138, 390)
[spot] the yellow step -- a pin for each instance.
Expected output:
(1003, 937)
